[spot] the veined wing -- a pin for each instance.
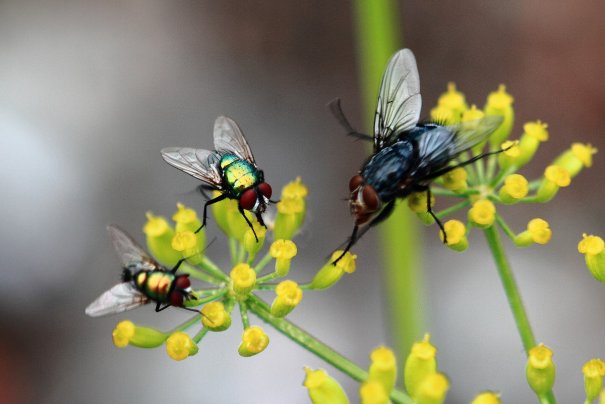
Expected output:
(399, 100)
(471, 133)
(228, 138)
(131, 254)
(199, 163)
(119, 298)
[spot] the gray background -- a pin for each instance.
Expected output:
(91, 91)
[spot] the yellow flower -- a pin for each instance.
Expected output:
(180, 346)
(593, 371)
(323, 389)
(591, 245)
(454, 180)
(593, 249)
(444, 116)
(482, 213)
(215, 317)
(186, 219)
(576, 158)
(534, 134)
(243, 279)
(122, 333)
(383, 368)
(283, 251)
(294, 190)
(453, 100)
(288, 296)
(555, 177)
(372, 392)
(254, 341)
(500, 103)
(329, 274)
(251, 245)
(420, 363)
(487, 397)
(456, 235)
(515, 188)
(433, 389)
(540, 369)
(159, 240)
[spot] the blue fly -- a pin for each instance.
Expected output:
(408, 155)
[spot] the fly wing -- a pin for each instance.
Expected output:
(199, 163)
(131, 254)
(399, 100)
(471, 133)
(228, 138)
(119, 298)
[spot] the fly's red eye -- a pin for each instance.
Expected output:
(248, 199)
(265, 189)
(182, 282)
(354, 182)
(370, 198)
(176, 298)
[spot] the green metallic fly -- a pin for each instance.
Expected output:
(230, 169)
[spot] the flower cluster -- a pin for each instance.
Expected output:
(495, 180)
(236, 287)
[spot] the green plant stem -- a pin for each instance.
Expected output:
(263, 263)
(243, 311)
(453, 209)
(201, 333)
(513, 296)
(186, 324)
(213, 269)
(313, 345)
(199, 275)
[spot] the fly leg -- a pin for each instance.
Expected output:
(429, 209)
(356, 235)
(177, 265)
(159, 307)
(260, 220)
(336, 110)
(210, 202)
(241, 211)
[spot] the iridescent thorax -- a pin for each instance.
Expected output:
(239, 174)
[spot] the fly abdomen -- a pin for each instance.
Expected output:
(156, 285)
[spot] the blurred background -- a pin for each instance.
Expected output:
(91, 91)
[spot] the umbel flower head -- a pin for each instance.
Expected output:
(494, 179)
(236, 285)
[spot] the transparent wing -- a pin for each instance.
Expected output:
(228, 138)
(121, 297)
(199, 163)
(130, 253)
(471, 133)
(399, 100)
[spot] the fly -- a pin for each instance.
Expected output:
(230, 169)
(144, 280)
(407, 155)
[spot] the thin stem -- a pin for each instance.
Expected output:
(446, 192)
(313, 345)
(513, 296)
(213, 269)
(453, 209)
(233, 250)
(505, 228)
(263, 263)
(199, 275)
(186, 324)
(205, 297)
(243, 311)
(201, 333)
(267, 278)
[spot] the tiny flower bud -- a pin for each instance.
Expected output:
(444, 116)
(487, 397)
(215, 317)
(159, 240)
(372, 392)
(418, 204)
(510, 154)
(250, 244)
(482, 214)
(295, 190)
(500, 103)
(254, 341)
(433, 389)
(540, 370)
(383, 368)
(534, 133)
(323, 389)
(555, 177)
(593, 249)
(514, 189)
(290, 215)
(576, 158)
(186, 242)
(289, 295)
(122, 333)
(538, 231)
(420, 363)
(243, 279)
(329, 274)
(453, 100)
(180, 346)
(283, 251)
(474, 114)
(593, 371)
(454, 180)
(456, 235)
(186, 219)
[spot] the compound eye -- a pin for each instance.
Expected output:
(265, 189)
(247, 200)
(370, 198)
(176, 298)
(355, 182)
(182, 282)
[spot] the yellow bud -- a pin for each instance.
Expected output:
(515, 188)
(583, 152)
(482, 214)
(122, 333)
(250, 244)
(540, 369)
(290, 216)
(372, 392)
(454, 180)
(383, 368)
(254, 341)
(456, 235)
(500, 103)
(472, 114)
(510, 154)
(420, 363)
(453, 100)
(295, 190)
(539, 230)
(593, 249)
(329, 274)
(180, 346)
(593, 371)
(555, 177)
(418, 204)
(288, 296)
(215, 317)
(487, 397)
(159, 239)
(534, 133)
(433, 389)
(185, 218)
(283, 251)
(444, 116)
(323, 389)
(187, 243)
(576, 158)
(243, 279)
